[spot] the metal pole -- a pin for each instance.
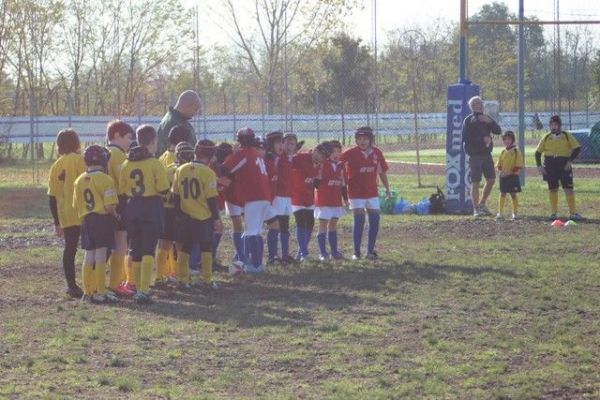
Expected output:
(520, 84)
(462, 64)
(416, 115)
(317, 116)
(31, 134)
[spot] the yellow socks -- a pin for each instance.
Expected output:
(571, 202)
(146, 273)
(206, 259)
(128, 268)
(515, 205)
(554, 202)
(136, 270)
(501, 202)
(117, 271)
(183, 267)
(172, 263)
(101, 278)
(88, 278)
(162, 261)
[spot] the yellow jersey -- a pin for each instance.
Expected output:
(143, 178)
(557, 145)
(93, 192)
(168, 201)
(167, 158)
(117, 158)
(510, 160)
(195, 183)
(61, 182)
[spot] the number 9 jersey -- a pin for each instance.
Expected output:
(93, 191)
(194, 184)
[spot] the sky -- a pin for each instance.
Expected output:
(396, 14)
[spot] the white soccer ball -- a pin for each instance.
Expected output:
(237, 268)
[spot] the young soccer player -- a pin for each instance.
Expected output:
(195, 191)
(509, 164)
(143, 180)
(304, 170)
(177, 134)
(560, 149)
(330, 190)
(95, 198)
(247, 170)
(61, 180)
(364, 163)
(119, 135)
(234, 207)
(280, 169)
(165, 256)
(222, 151)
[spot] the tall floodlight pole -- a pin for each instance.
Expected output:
(520, 84)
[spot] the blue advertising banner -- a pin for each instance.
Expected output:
(458, 199)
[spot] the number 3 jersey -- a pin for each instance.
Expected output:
(143, 178)
(194, 184)
(93, 192)
(251, 180)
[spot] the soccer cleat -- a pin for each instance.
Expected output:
(288, 260)
(98, 299)
(75, 292)
(372, 256)
(499, 217)
(324, 258)
(86, 298)
(337, 256)
(255, 270)
(553, 217)
(355, 257)
(304, 258)
(483, 210)
(131, 287)
(111, 297)
(476, 212)
(194, 272)
(515, 217)
(143, 298)
(124, 291)
(576, 217)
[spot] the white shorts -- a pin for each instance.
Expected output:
(329, 212)
(371, 204)
(232, 210)
(255, 213)
(298, 208)
(282, 205)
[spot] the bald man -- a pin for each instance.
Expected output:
(187, 106)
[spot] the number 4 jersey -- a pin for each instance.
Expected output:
(93, 192)
(251, 181)
(195, 183)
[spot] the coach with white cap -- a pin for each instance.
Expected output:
(187, 106)
(477, 140)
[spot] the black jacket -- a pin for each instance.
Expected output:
(473, 133)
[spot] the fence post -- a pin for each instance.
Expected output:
(317, 115)
(204, 118)
(70, 108)
(262, 113)
(234, 105)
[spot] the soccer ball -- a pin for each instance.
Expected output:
(237, 268)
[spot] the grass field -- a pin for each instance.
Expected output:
(455, 308)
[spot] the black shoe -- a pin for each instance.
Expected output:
(75, 292)
(372, 256)
(288, 260)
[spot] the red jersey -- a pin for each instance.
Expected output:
(220, 188)
(329, 192)
(362, 169)
(303, 174)
(284, 183)
(251, 180)
(273, 172)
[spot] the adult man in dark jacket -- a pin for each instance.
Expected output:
(187, 106)
(477, 140)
